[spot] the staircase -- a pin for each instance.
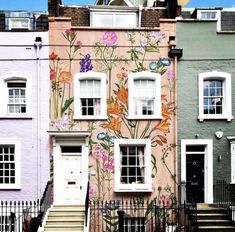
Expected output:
(212, 219)
(64, 218)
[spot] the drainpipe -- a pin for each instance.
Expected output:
(38, 46)
(140, 15)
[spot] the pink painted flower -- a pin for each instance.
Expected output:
(99, 152)
(170, 75)
(110, 38)
(52, 74)
(109, 165)
(91, 192)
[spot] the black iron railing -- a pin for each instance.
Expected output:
(141, 216)
(224, 197)
(18, 216)
(87, 200)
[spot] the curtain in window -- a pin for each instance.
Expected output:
(140, 157)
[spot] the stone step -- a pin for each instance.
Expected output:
(214, 223)
(63, 227)
(216, 228)
(65, 222)
(210, 216)
(66, 216)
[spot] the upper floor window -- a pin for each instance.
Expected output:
(215, 96)
(114, 19)
(132, 165)
(9, 164)
(144, 95)
(15, 95)
(19, 23)
(90, 95)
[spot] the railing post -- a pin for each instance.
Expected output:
(120, 220)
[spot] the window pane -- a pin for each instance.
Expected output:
(213, 97)
(132, 164)
(7, 164)
(122, 19)
(101, 20)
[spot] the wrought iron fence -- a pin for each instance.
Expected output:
(26, 216)
(225, 197)
(18, 216)
(138, 216)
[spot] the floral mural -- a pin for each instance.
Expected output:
(141, 54)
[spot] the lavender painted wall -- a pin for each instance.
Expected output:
(32, 132)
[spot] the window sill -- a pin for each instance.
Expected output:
(140, 190)
(17, 117)
(144, 117)
(79, 117)
(215, 117)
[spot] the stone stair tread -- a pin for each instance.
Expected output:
(63, 226)
(208, 220)
(216, 227)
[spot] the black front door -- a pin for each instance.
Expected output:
(195, 177)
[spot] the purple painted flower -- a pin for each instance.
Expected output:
(91, 191)
(108, 165)
(110, 38)
(156, 36)
(85, 63)
(144, 42)
(112, 138)
(62, 123)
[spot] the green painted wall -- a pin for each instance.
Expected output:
(204, 50)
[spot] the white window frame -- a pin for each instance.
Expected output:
(77, 104)
(147, 186)
(208, 166)
(15, 77)
(11, 23)
(96, 13)
(218, 16)
(227, 104)
(156, 77)
(17, 145)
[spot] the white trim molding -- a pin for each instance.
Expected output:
(17, 161)
(227, 96)
(15, 77)
(77, 103)
(208, 166)
(133, 187)
(231, 139)
(156, 77)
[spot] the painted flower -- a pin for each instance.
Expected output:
(170, 75)
(156, 36)
(101, 136)
(53, 56)
(144, 42)
(62, 123)
(122, 95)
(114, 124)
(98, 152)
(70, 35)
(110, 38)
(153, 65)
(85, 63)
(165, 61)
(108, 165)
(78, 44)
(163, 126)
(91, 192)
(114, 108)
(65, 77)
(52, 74)
(112, 138)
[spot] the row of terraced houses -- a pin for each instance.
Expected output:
(117, 117)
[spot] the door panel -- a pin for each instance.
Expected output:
(69, 187)
(195, 177)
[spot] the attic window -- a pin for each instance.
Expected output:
(18, 23)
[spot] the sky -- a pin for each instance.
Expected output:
(41, 5)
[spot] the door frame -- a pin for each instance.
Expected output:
(69, 138)
(208, 167)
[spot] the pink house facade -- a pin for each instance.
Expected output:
(113, 108)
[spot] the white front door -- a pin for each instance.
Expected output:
(68, 175)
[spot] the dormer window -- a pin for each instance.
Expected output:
(18, 23)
